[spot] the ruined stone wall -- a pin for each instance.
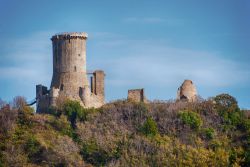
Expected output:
(42, 98)
(136, 95)
(97, 95)
(187, 91)
(97, 83)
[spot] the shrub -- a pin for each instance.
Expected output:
(235, 118)
(246, 124)
(209, 133)
(94, 154)
(54, 111)
(74, 110)
(149, 128)
(191, 118)
(24, 115)
(62, 125)
(19, 102)
(33, 149)
(7, 120)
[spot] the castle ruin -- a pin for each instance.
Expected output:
(137, 95)
(70, 78)
(187, 91)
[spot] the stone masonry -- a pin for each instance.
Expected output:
(70, 78)
(187, 91)
(136, 95)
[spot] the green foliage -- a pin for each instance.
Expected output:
(149, 128)
(209, 133)
(74, 111)
(191, 118)
(141, 107)
(95, 155)
(225, 103)
(219, 135)
(54, 111)
(225, 100)
(246, 124)
(62, 125)
(246, 157)
(24, 115)
(33, 149)
(233, 118)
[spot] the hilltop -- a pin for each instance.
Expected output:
(213, 132)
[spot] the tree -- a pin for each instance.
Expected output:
(19, 102)
(225, 103)
(74, 110)
(7, 119)
(149, 127)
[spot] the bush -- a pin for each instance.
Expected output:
(246, 124)
(149, 128)
(7, 120)
(73, 110)
(191, 118)
(33, 149)
(209, 133)
(62, 125)
(19, 102)
(24, 115)
(95, 155)
(54, 111)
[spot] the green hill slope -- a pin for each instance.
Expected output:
(206, 133)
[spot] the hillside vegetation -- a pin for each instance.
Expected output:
(211, 132)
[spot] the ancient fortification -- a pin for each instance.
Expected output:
(187, 91)
(70, 78)
(137, 95)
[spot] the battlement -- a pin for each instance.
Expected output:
(69, 35)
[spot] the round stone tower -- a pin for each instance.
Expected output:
(187, 91)
(69, 64)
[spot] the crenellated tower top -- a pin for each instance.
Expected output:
(69, 35)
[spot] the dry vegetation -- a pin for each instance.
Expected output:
(206, 133)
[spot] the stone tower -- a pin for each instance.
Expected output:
(187, 91)
(70, 78)
(69, 64)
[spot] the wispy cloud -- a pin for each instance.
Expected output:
(27, 58)
(158, 66)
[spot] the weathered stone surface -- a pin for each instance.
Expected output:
(136, 95)
(187, 91)
(70, 74)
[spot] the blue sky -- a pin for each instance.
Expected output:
(149, 44)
